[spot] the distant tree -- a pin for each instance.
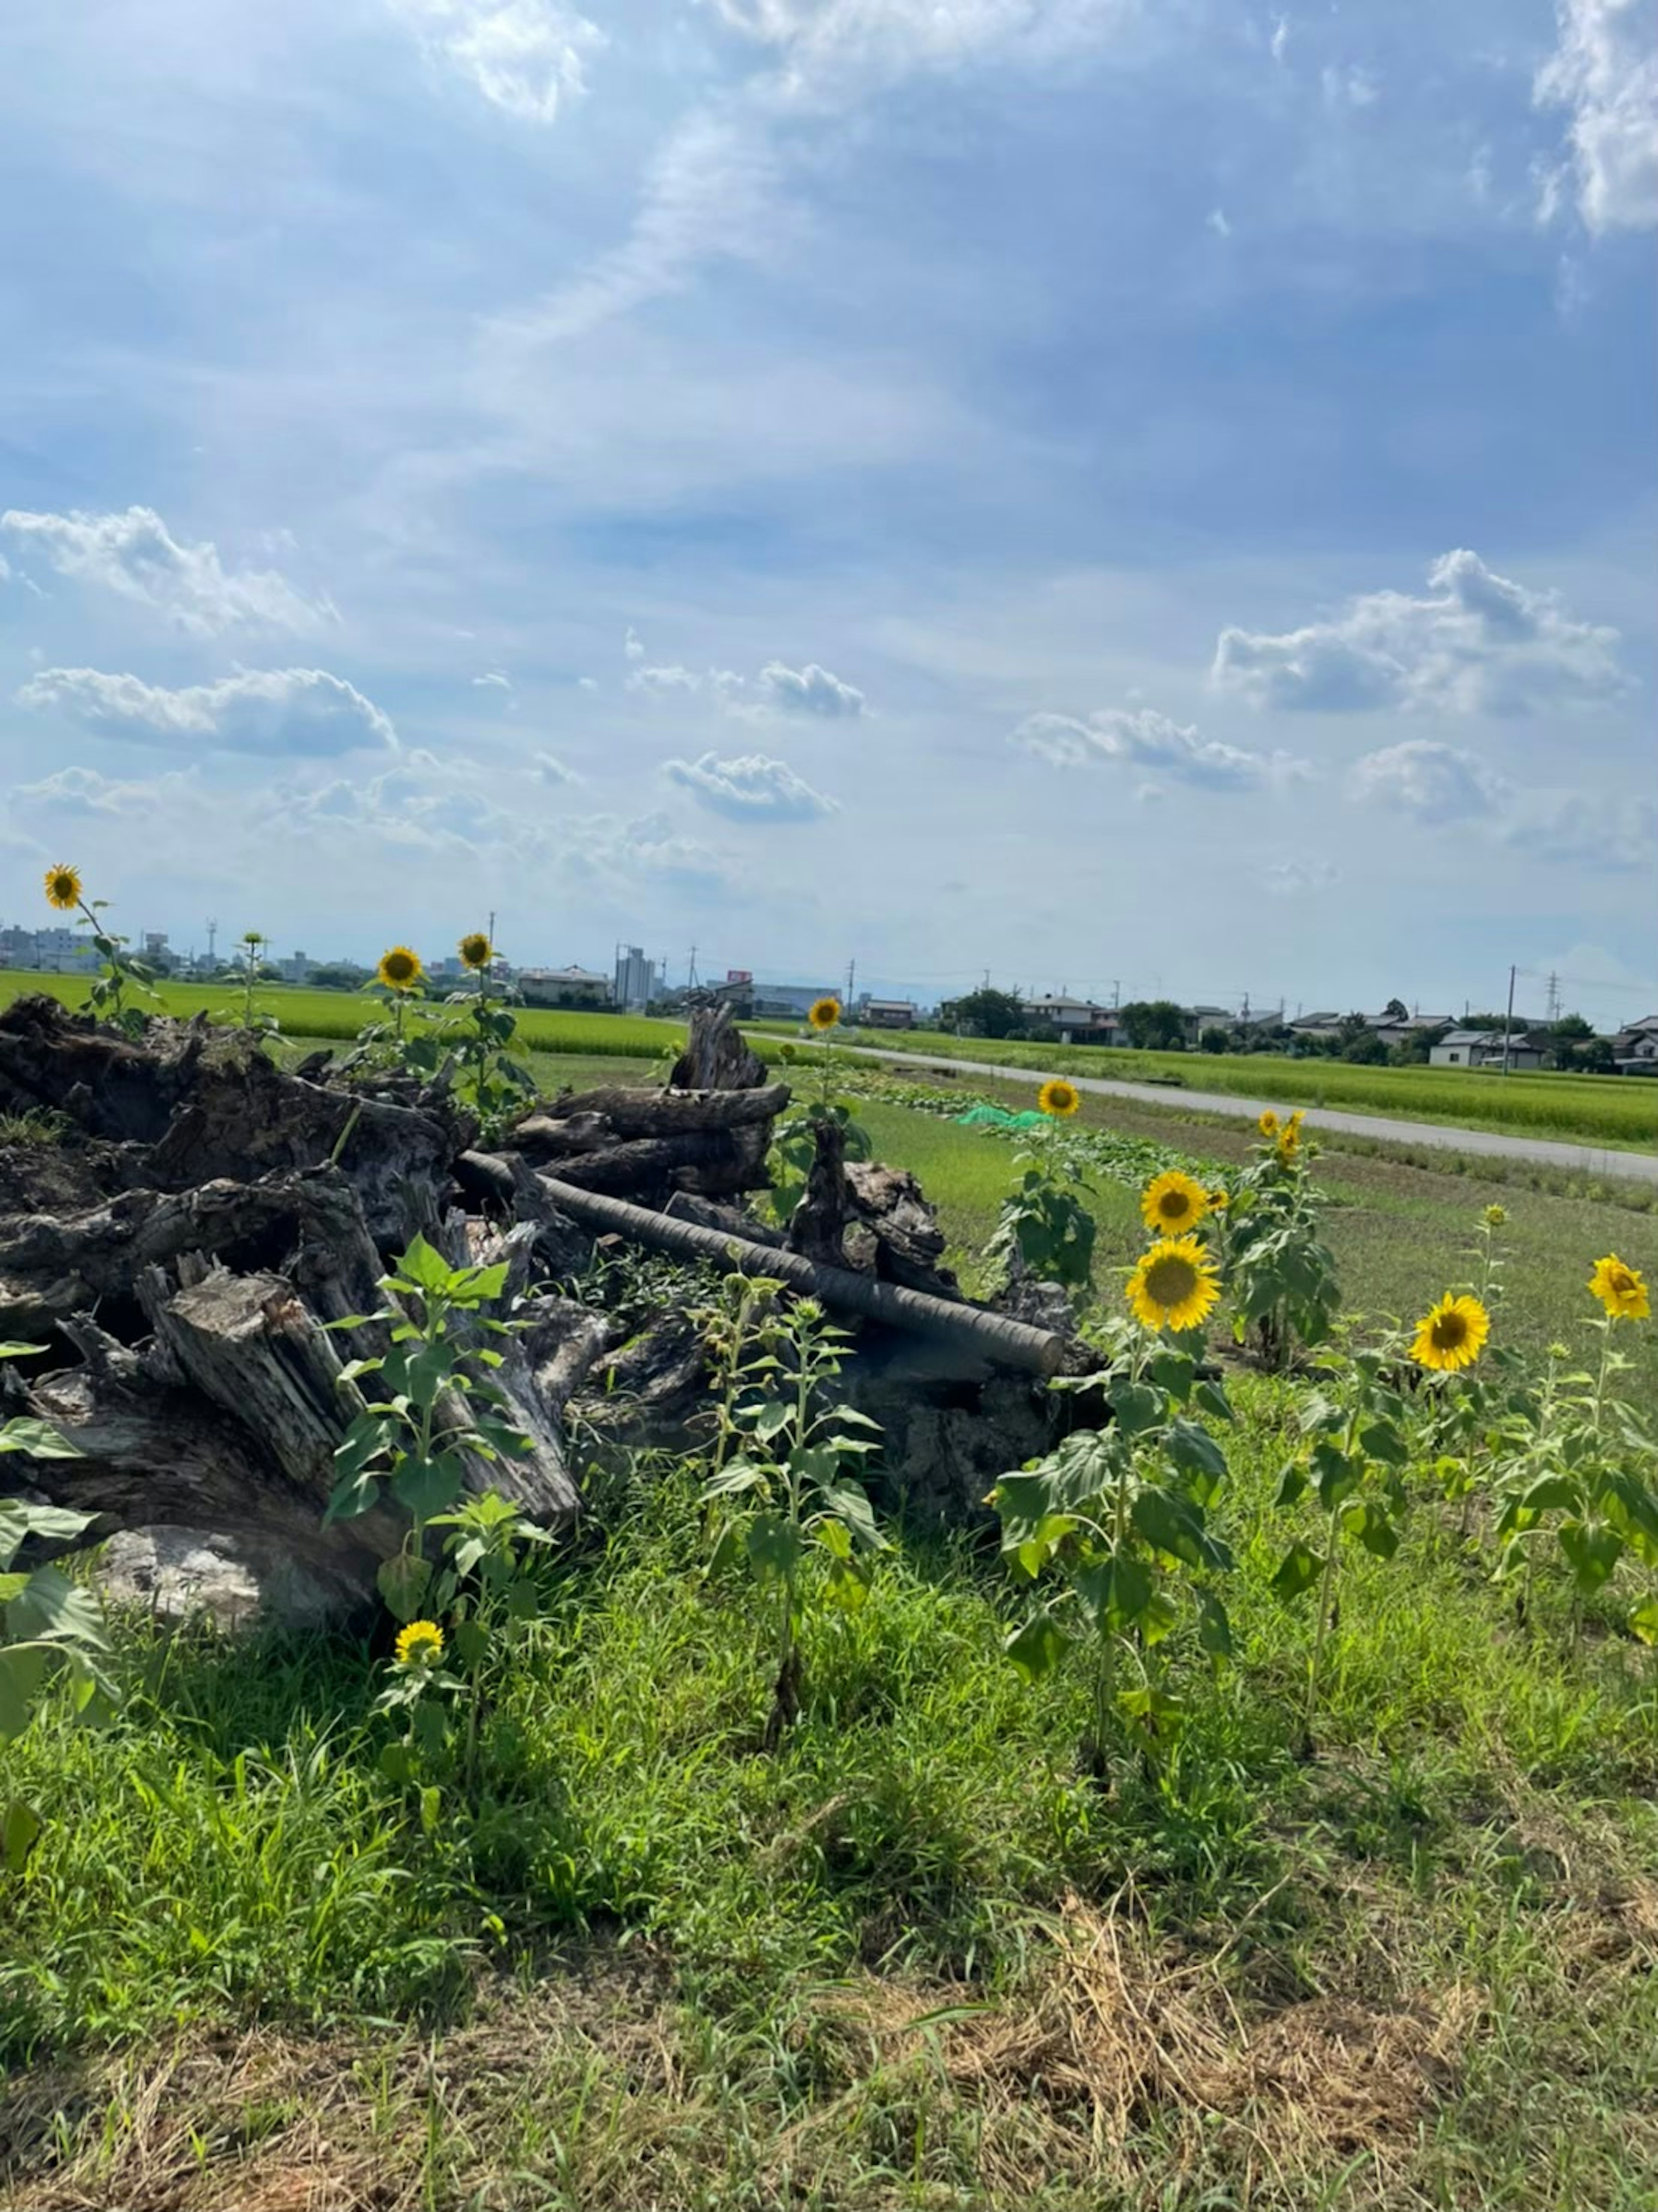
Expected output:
(1396, 1010)
(1153, 1024)
(1483, 1021)
(1214, 1039)
(1596, 1057)
(337, 975)
(1358, 1042)
(985, 1012)
(1415, 1050)
(1566, 1037)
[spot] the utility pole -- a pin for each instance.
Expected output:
(852, 981)
(1554, 996)
(1507, 1023)
(212, 931)
(690, 972)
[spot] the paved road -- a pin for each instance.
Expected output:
(1585, 1160)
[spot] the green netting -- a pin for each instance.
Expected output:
(997, 1117)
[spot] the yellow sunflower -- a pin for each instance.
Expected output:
(1267, 1123)
(420, 1644)
(1219, 1199)
(63, 889)
(1173, 1285)
(825, 1015)
(1620, 1289)
(1288, 1140)
(1494, 1216)
(1059, 1099)
(476, 951)
(1451, 1334)
(1172, 1202)
(399, 969)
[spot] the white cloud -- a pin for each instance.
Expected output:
(1443, 786)
(1151, 740)
(587, 683)
(1217, 222)
(1280, 38)
(633, 645)
(1477, 643)
(1432, 781)
(1605, 69)
(549, 769)
(135, 554)
(493, 682)
(1593, 829)
(1295, 878)
(277, 710)
(749, 789)
(81, 792)
(1349, 87)
(663, 682)
(808, 690)
(524, 57)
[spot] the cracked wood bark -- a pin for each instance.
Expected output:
(971, 1329)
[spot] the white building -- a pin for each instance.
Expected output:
(1635, 1049)
(566, 987)
(637, 980)
(1484, 1048)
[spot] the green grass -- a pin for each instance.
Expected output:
(1401, 1231)
(1618, 1110)
(336, 1017)
(914, 1961)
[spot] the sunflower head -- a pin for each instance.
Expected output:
(1267, 1123)
(1172, 1203)
(1451, 1335)
(1289, 1141)
(476, 951)
(399, 969)
(420, 1644)
(824, 1014)
(1219, 1198)
(1175, 1285)
(1621, 1289)
(1059, 1099)
(64, 888)
(1494, 1216)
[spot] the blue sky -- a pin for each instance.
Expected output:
(1158, 497)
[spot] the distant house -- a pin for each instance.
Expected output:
(887, 1013)
(1198, 1018)
(1635, 1049)
(1393, 1031)
(1483, 1048)
(1316, 1029)
(1079, 1021)
(784, 1002)
(564, 986)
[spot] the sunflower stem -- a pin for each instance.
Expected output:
(1325, 1596)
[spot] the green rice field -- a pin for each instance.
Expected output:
(1599, 1110)
(337, 1016)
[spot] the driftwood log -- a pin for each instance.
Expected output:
(202, 1216)
(987, 1336)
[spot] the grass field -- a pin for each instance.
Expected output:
(1400, 1233)
(336, 1017)
(916, 1960)
(913, 1961)
(1585, 1109)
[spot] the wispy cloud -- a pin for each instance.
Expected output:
(275, 710)
(752, 788)
(1151, 739)
(135, 556)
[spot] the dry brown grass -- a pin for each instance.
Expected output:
(1116, 2057)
